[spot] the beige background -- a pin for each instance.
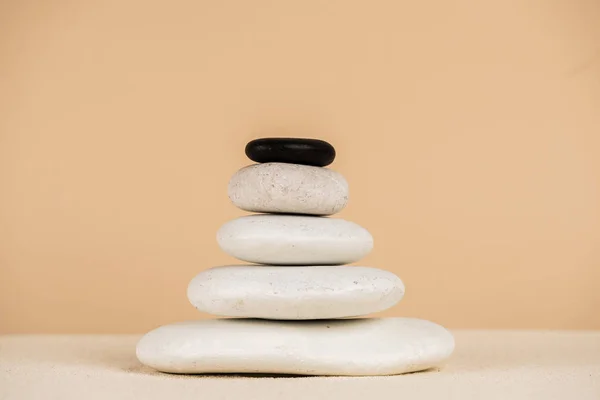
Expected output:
(469, 132)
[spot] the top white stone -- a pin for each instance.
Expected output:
(288, 188)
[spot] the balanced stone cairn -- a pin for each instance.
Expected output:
(291, 314)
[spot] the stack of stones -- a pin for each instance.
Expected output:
(292, 307)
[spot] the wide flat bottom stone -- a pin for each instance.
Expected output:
(369, 346)
(487, 364)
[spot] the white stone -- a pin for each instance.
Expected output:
(294, 293)
(369, 346)
(294, 240)
(288, 188)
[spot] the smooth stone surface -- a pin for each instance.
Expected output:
(294, 240)
(288, 188)
(486, 365)
(370, 346)
(291, 150)
(294, 293)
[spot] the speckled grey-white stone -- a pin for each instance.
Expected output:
(288, 188)
(371, 346)
(294, 240)
(275, 292)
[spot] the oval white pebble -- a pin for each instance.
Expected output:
(288, 188)
(294, 240)
(294, 293)
(370, 346)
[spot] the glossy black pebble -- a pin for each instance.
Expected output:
(291, 150)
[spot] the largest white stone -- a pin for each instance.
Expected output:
(288, 188)
(294, 240)
(332, 347)
(274, 292)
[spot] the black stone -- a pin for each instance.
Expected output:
(313, 152)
